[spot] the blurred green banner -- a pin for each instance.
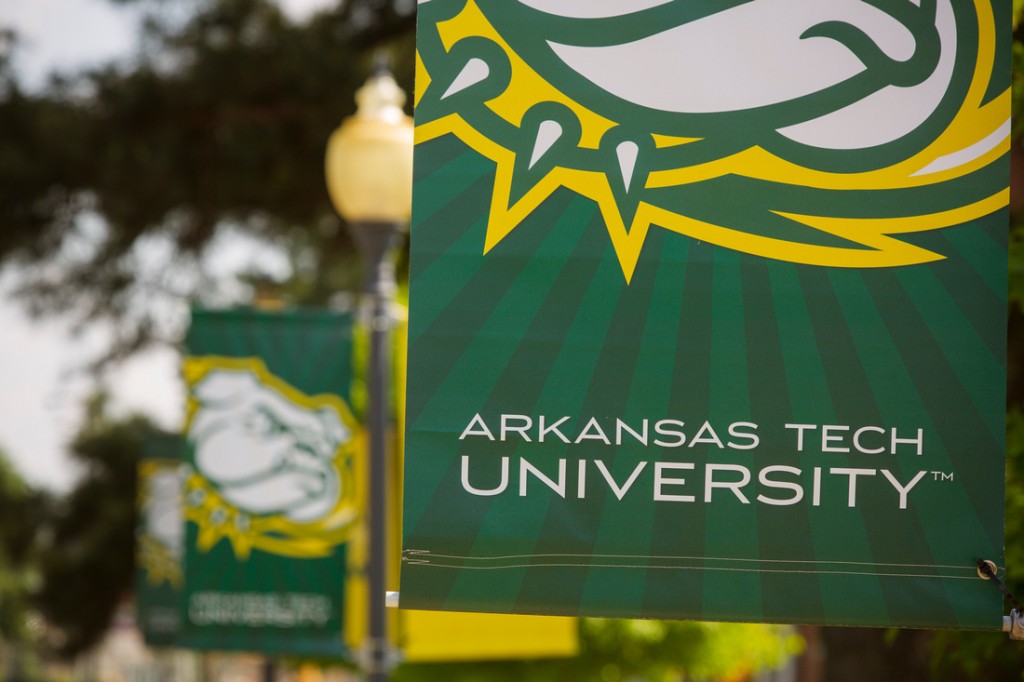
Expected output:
(707, 310)
(272, 488)
(160, 540)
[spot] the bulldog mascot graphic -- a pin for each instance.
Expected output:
(272, 466)
(839, 125)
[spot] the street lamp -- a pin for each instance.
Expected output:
(369, 178)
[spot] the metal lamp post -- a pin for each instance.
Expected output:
(369, 178)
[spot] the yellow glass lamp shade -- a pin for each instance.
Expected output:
(369, 156)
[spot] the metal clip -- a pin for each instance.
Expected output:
(1014, 625)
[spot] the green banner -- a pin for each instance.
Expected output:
(272, 492)
(160, 540)
(707, 310)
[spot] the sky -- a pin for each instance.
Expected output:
(42, 382)
(67, 34)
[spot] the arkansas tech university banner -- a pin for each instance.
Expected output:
(272, 492)
(707, 310)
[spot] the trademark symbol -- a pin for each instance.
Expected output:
(941, 476)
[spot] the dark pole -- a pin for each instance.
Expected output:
(269, 670)
(375, 241)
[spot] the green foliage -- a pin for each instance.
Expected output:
(87, 562)
(614, 649)
(1015, 497)
(666, 650)
(1017, 267)
(20, 512)
(15, 542)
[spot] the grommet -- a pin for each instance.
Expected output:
(993, 570)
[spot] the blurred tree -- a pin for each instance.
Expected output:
(21, 511)
(220, 123)
(87, 553)
(15, 542)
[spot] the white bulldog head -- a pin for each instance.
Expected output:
(264, 453)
